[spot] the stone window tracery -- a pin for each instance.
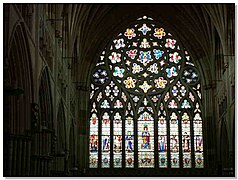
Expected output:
(145, 102)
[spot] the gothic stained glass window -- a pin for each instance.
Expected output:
(145, 102)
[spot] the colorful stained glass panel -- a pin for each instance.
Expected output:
(129, 143)
(93, 160)
(117, 160)
(198, 143)
(105, 160)
(199, 160)
(105, 143)
(129, 160)
(150, 74)
(145, 143)
(163, 160)
(93, 144)
(174, 160)
(146, 159)
(187, 160)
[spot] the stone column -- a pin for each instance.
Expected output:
(210, 128)
(83, 128)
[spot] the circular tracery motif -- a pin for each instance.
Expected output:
(100, 76)
(190, 75)
(148, 53)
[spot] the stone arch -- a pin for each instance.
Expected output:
(60, 150)
(18, 96)
(61, 128)
(45, 100)
(103, 85)
(18, 80)
(43, 134)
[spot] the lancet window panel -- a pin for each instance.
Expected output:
(145, 102)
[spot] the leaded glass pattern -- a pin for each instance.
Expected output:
(145, 102)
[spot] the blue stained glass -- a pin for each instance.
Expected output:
(144, 29)
(145, 57)
(118, 72)
(158, 54)
(171, 72)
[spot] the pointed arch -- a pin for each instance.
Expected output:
(147, 73)
(60, 150)
(45, 100)
(61, 129)
(18, 96)
(43, 136)
(18, 80)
